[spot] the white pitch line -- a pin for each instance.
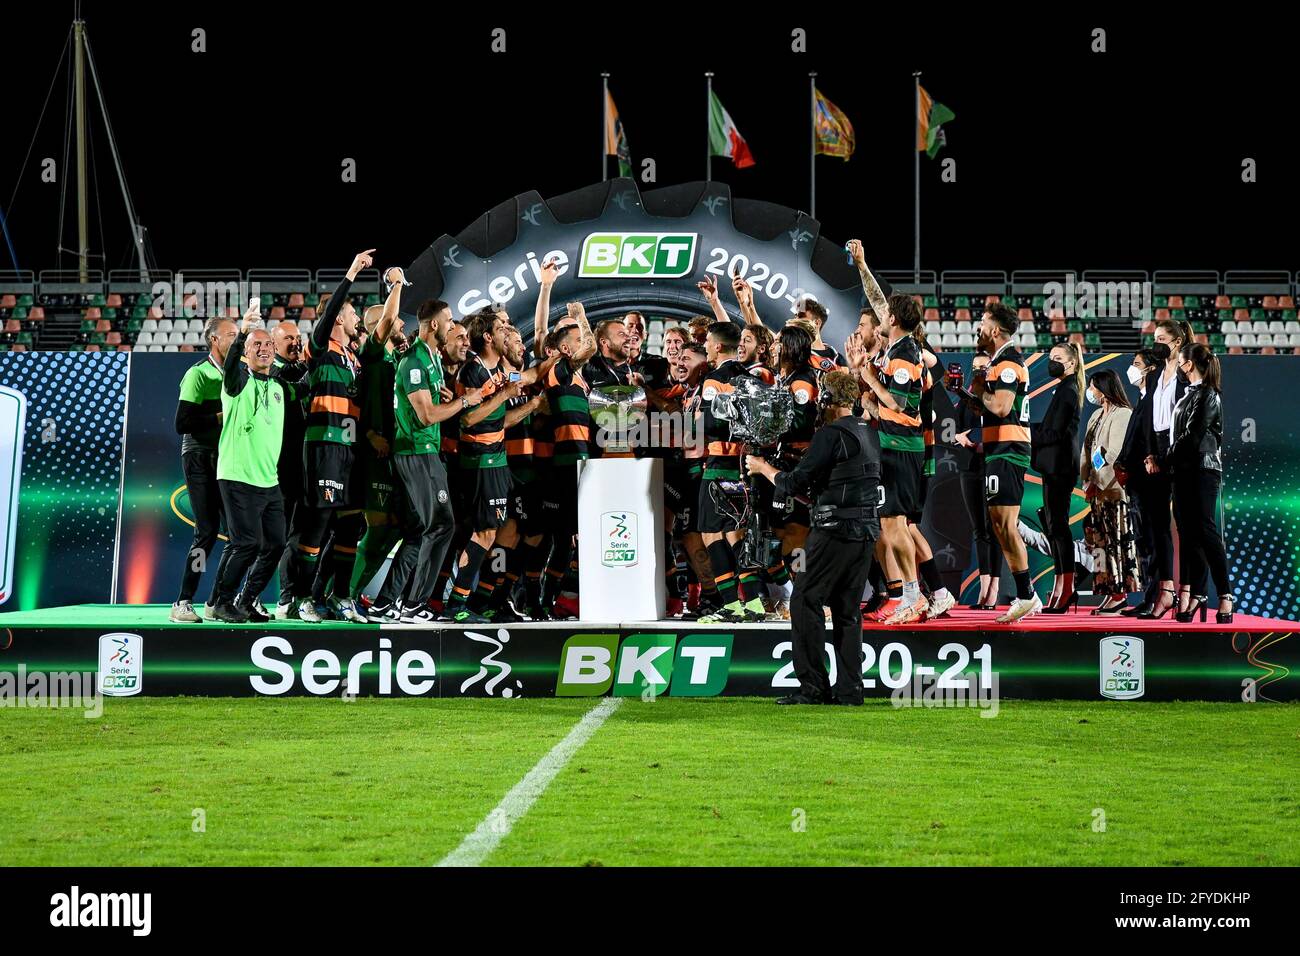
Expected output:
(496, 826)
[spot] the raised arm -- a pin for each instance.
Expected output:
(550, 271)
(708, 287)
(392, 305)
(324, 327)
(744, 293)
(586, 338)
(875, 295)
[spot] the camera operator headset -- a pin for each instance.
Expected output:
(842, 467)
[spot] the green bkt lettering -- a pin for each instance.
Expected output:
(585, 669)
(698, 666)
(647, 255)
(1116, 683)
(645, 661)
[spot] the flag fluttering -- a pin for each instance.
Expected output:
(930, 137)
(834, 131)
(616, 138)
(724, 138)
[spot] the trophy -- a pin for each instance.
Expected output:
(617, 411)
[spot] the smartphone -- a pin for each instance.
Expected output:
(255, 302)
(514, 377)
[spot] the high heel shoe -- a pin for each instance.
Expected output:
(1195, 603)
(1064, 607)
(1225, 617)
(1151, 615)
(1110, 610)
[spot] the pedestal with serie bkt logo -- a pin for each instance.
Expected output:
(621, 539)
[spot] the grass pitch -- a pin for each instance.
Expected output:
(710, 782)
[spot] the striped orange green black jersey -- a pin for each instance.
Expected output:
(825, 359)
(927, 408)
(483, 444)
(803, 385)
(1006, 437)
(566, 394)
(333, 408)
(903, 373)
(520, 447)
(723, 459)
(694, 446)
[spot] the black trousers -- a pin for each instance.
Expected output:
(200, 469)
(1056, 512)
(255, 517)
(1143, 538)
(1200, 545)
(427, 523)
(836, 571)
(1154, 495)
(988, 553)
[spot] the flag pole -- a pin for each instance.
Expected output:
(916, 182)
(604, 127)
(708, 128)
(812, 156)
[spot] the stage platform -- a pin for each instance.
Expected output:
(134, 649)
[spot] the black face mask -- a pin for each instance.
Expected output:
(1055, 369)
(1161, 351)
(1182, 377)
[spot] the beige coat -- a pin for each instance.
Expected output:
(1108, 438)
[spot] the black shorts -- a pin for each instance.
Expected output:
(688, 518)
(560, 500)
(900, 477)
(379, 483)
(1004, 482)
(526, 506)
(330, 476)
(676, 484)
(487, 496)
(718, 509)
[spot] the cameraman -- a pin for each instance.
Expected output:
(842, 466)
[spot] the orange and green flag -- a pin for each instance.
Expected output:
(834, 131)
(616, 138)
(930, 119)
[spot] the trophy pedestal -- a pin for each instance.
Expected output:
(621, 558)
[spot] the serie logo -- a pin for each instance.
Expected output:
(696, 666)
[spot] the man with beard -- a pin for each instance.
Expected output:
(841, 467)
(1004, 393)
(333, 497)
(896, 381)
(288, 364)
(571, 344)
(688, 372)
(483, 457)
(719, 515)
(424, 504)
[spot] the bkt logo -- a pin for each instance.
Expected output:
(654, 664)
(618, 255)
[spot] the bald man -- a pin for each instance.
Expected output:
(253, 400)
(288, 364)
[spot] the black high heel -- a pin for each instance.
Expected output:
(1151, 615)
(1224, 617)
(1113, 610)
(1063, 608)
(1195, 603)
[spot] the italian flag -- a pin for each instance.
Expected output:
(724, 138)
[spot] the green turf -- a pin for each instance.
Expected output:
(96, 616)
(709, 782)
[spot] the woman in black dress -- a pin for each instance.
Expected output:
(1055, 458)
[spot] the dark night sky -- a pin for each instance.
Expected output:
(1065, 158)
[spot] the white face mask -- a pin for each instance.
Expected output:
(1093, 398)
(1135, 375)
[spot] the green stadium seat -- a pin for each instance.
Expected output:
(1038, 302)
(24, 338)
(1044, 341)
(1239, 302)
(1092, 340)
(19, 313)
(24, 302)
(97, 301)
(1161, 302)
(1074, 325)
(1192, 302)
(87, 325)
(931, 302)
(1216, 341)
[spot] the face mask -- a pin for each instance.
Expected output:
(1161, 351)
(1135, 375)
(1093, 398)
(1182, 377)
(1055, 369)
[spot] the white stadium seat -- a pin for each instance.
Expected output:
(150, 325)
(1231, 340)
(1228, 327)
(164, 325)
(965, 341)
(145, 338)
(154, 348)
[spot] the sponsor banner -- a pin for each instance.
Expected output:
(654, 660)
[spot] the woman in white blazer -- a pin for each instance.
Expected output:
(1108, 529)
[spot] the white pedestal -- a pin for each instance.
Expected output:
(621, 540)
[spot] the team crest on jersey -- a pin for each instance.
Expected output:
(442, 496)
(275, 397)
(709, 394)
(801, 397)
(1008, 375)
(329, 494)
(825, 364)
(901, 376)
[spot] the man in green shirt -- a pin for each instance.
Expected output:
(198, 422)
(253, 401)
(424, 505)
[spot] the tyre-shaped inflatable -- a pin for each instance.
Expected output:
(621, 249)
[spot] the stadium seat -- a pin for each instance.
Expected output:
(164, 325)
(175, 338)
(144, 338)
(192, 338)
(948, 340)
(1293, 339)
(1270, 302)
(932, 328)
(965, 340)
(8, 300)
(304, 327)
(1228, 327)
(948, 326)
(1276, 327)
(1248, 340)
(154, 348)
(308, 315)
(931, 315)
(113, 338)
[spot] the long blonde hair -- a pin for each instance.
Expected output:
(1076, 354)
